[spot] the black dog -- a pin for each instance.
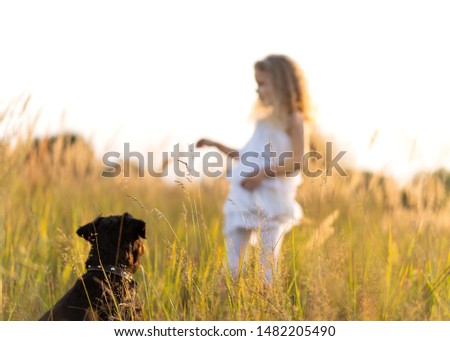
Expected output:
(107, 290)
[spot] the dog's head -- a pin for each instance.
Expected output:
(116, 240)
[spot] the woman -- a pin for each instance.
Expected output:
(261, 206)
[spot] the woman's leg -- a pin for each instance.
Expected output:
(270, 239)
(237, 242)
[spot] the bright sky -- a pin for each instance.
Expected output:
(154, 73)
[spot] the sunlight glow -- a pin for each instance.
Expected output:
(154, 74)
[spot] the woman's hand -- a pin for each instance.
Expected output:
(230, 152)
(205, 142)
(253, 181)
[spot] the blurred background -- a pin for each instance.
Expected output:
(79, 79)
(154, 74)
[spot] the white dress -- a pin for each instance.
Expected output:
(272, 204)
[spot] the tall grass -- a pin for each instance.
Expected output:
(366, 250)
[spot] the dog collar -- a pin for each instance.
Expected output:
(111, 269)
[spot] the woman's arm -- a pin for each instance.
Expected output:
(226, 150)
(291, 163)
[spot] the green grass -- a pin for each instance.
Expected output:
(360, 254)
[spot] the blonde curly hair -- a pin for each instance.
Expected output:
(289, 90)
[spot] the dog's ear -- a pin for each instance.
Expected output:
(136, 227)
(139, 227)
(88, 231)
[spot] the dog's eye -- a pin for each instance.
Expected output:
(98, 220)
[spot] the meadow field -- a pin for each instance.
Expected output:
(367, 249)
